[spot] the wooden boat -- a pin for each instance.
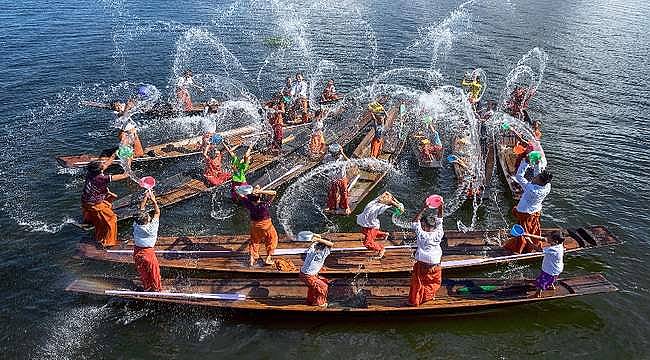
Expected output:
(300, 162)
(420, 145)
(365, 181)
(174, 149)
(346, 296)
(228, 253)
(505, 145)
(180, 187)
(161, 109)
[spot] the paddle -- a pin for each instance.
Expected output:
(518, 231)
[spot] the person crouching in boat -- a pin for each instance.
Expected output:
(96, 204)
(552, 263)
(213, 159)
(299, 98)
(369, 221)
(239, 169)
(261, 227)
(329, 93)
(426, 276)
(183, 90)
(317, 285)
(317, 143)
(528, 210)
(145, 234)
(338, 196)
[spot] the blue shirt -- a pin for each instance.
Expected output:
(533, 195)
(315, 258)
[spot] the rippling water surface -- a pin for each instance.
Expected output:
(593, 101)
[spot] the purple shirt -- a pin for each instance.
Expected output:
(258, 211)
(95, 189)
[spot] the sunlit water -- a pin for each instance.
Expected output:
(585, 60)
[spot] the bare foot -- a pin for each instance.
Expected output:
(269, 261)
(381, 253)
(538, 294)
(347, 211)
(252, 262)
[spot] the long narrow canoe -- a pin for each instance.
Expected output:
(365, 181)
(349, 296)
(299, 163)
(175, 149)
(228, 253)
(179, 188)
(505, 143)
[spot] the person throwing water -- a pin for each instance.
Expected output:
(369, 221)
(299, 98)
(183, 90)
(472, 82)
(145, 235)
(426, 276)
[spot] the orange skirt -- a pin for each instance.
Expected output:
(262, 232)
(531, 224)
(425, 282)
(316, 289)
(375, 147)
(101, 215)
(369, 237)
(147, 265)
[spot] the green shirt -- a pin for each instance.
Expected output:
(239, 168)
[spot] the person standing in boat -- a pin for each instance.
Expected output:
(127, 131)
(299, 98)
(239, 169)
(338, 197)
(96, 201)
(517, 104)
(145, 235)
(213, 172)
(329, 93)
(552, 263)
(377, 141)
(183, 90)
(473, 83)
(276, 112)
(262, 230)
(426, 276)
(528, 210)
(369, 221)
(317, 285)
(317, 142)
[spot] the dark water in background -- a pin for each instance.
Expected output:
(593, 102)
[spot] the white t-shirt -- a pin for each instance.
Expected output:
(341, 171)
(369, 218)
(315, 259)
(146, 235)
(184, 82)
(553, 262)
(533, 194)
(429, 250)
(299, 89)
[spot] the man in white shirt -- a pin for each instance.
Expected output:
(426, 276)
(369, 221)
(529, 209)
(145, 234)
(299, 97)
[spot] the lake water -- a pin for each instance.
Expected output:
(592, 101)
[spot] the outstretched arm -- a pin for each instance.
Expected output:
(156, 208)
(521, 171)
(418, 216)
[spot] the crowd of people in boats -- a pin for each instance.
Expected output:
(291, 105)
